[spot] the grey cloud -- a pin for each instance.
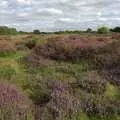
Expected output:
(50, 15)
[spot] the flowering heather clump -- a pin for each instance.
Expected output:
(61, 105)
(107, 61)
(13, 104)
(72, 48)
(36, 61)
(6, 47)
(101, 106)
(91, 82)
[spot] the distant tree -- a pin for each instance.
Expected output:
(36, 31)
(89, 30)
(103, 29)
(5, 30)
(116, 29)
(12, 31)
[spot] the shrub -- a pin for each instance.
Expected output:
(6, 47)
(101, 106)
(5, 37)
(31, 43)
(116, 29)
(34, 60)
(53, 98)
(71, 48)
(13, 103)
(5, 30)
(89, 30)
(107, 61)
(8, 68)
(36, 31)
(91, 82)
(67, 50)
(103, 30)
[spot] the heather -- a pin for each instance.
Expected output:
(13, 103)
(65, 76)
(6, 47)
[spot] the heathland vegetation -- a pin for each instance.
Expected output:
(65, 75)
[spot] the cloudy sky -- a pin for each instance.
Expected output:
(52, 15)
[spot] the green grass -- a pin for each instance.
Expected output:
(8, 68)
(61, 70)
(112, 91)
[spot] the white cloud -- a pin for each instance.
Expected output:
(52, 15)
(25, 1)
(50, 10)
(23, 14)
(3, 3)
(66, 20)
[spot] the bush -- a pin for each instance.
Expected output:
(52, 98)
(8, 68)
(5, 37)
(6, 47)
(31, 43)
(107, 61)
(89, 30)
(103, 30)
(36, 31)
(91, 82)
(101, 106)
(13, 103)
(69, 49)
(116, 29)
(5, 30)
(35, 61)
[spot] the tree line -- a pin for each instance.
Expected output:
(4, 30)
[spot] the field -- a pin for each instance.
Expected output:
(60, 76)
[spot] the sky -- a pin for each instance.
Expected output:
(55, 15)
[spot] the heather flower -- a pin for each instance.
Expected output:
(14, 104)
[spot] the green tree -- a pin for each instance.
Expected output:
(36, 31)
(116, 29)
(6, 30)
(89, 30)
(103, 29)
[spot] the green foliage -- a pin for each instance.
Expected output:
(89, 30)
(99, 99)
(103, 29)
(36, 31)
(31, 43)
(116, 29)
(112, 91)
(8, 68)
(5, 30)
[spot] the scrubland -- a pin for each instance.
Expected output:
(60, 77)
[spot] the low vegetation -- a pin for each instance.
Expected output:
(60, 76)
